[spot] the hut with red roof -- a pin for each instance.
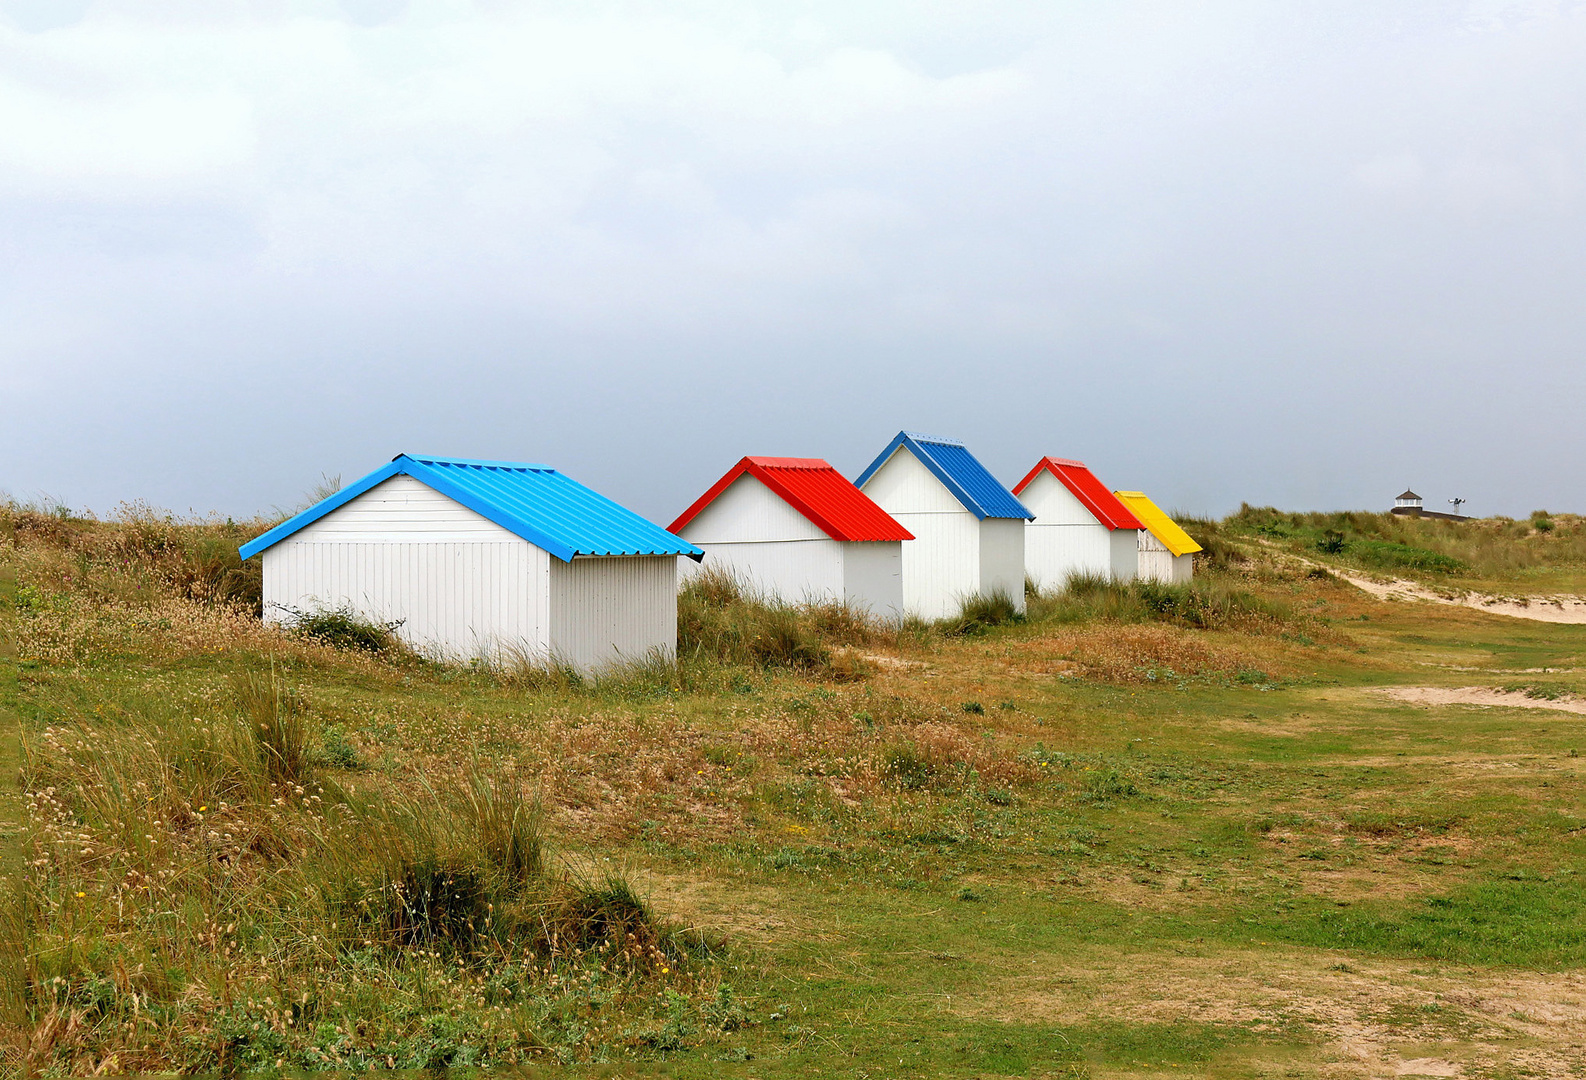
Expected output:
(794, 529)
(1080, 526)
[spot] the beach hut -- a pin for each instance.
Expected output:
(1080, 527)
(968, 529)
(795, 529)
(1167, 553)
(481, 560)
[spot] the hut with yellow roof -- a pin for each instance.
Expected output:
(1166, 552)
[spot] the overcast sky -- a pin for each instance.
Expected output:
(1298, 254)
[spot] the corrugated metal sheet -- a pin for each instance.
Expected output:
(537, 503)
(1103, 505)
(1002, 559)
(1161, 526)
(607, 611)
(959, 470)
(814, 489)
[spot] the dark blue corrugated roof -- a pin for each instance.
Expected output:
(544, 507)
(959, 471)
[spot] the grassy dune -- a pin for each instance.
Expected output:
(1145, 831)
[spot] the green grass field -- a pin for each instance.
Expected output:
(1139, 834)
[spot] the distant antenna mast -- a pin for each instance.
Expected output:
(1457, 504)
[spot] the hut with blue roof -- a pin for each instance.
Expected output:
(484, 560)
(968, 529)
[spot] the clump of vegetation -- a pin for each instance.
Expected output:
(344, 628)
(1209, 603)
(282, 879)
(720, 620)
(982, 612)
(141, 552)
(1220, 550)
(1391, 555)
(274, 715)
(1541, 521)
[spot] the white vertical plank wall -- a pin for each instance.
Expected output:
(941, 565)
(606, 611)
(461, 585)
(1156, 561)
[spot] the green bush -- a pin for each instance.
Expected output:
(344, 628)
(907, 769)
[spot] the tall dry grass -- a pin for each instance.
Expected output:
(1210, 602)
(196, 894)
(722, 621)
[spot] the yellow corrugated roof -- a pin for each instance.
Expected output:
(1162, 527)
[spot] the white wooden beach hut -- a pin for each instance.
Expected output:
(1080, 527)
(968, 528)
(1167, 552)
(481, 560)
(795, 529)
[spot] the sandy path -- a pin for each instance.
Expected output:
(1551, 609)
(1479, 695)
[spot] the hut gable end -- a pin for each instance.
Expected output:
(750, 512)
(903, 484)
(1053, 504)
(402, 510)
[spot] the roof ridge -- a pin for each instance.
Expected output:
(938, 440)
(1086, 486)
(432, 459)
(817, 491)
(540, 505)
(790, 462)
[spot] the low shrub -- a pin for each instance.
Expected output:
(344, 628)
(906, 768)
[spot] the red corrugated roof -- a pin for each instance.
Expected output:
(1106, 507)
(814, 489)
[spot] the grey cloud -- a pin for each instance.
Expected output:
(1279, 253)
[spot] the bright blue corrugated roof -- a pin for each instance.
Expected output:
(547, 509)
(959, 470)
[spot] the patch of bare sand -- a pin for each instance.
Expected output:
(1373, 1019)
(1551, 609)
(1480, 695)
